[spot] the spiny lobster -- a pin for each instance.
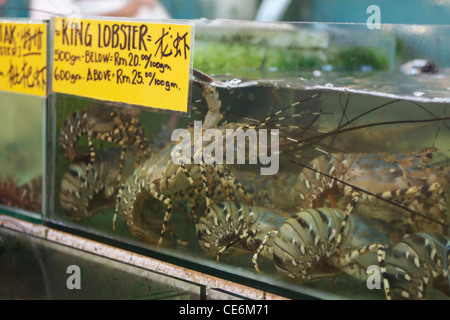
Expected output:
(160, 178)
(408, 182)
(417, 263)
(230, 225)
(83, 192)
(305, 247)
(104, 122)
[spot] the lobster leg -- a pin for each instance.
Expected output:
(381, 257)
(91, 158)
(415, 264)
(355, 197)
(435, 212)
(260, 248)
(168, 202)
(192, 194)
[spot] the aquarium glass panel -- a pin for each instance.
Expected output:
(22, 161)
(315, 161)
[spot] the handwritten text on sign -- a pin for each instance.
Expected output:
(137, 63)
(23, 58)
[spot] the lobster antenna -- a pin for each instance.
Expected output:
(272, 118)
(373, 194)
(386, 104)
(439, 127)
(339, 131)
(344, 107)
(285, 108)
(344, 112)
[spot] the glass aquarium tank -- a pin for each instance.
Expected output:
(23, 76)
(23, 150)
(34, 268)
(314, 162)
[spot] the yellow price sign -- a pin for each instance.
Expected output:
(140, 63)
(23, 58)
